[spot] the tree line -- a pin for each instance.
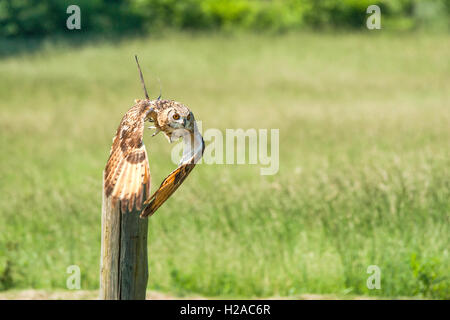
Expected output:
(48, 17)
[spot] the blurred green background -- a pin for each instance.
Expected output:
(38, 18)
(364, 143)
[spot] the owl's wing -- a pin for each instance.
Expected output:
(127, 175)
(193, 151)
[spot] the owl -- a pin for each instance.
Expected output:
(127, 175)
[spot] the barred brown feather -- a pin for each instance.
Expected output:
(167, 188)
(127, 174)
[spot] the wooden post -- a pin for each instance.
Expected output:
(123, 265)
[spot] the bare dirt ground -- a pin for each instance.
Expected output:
(151, 295)
(72, 295)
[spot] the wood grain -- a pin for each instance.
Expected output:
(124, 261)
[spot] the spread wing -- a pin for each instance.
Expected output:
(167, 188)
(193, 150)
(127, 175)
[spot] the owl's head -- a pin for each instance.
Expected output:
(180, 117)
(174, 119)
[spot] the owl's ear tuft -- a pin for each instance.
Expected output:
(142, 78)
(137, 100)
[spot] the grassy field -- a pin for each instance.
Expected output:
(364, 173)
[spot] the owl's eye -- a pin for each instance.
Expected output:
(176, 116)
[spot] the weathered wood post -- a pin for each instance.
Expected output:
(124, 264)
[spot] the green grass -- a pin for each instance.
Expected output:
(364, 173)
